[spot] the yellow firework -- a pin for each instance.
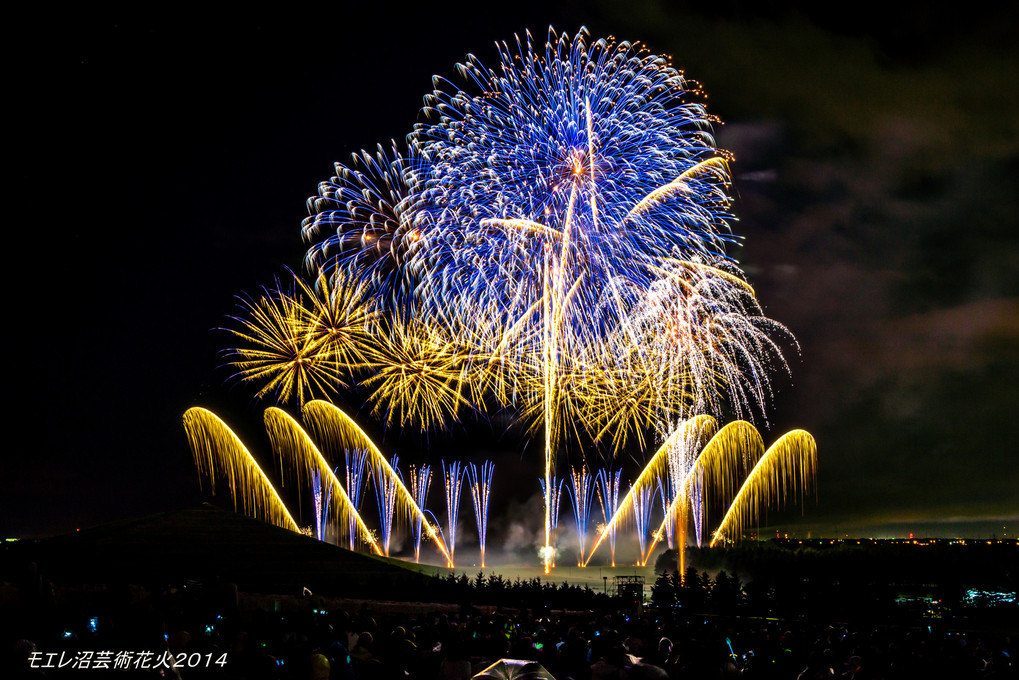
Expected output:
(218, 452)
(692, 431)
(291, 443)
(417, 375)
(279, 353)
(787, 470)
(338, 431)
(339, 318)
(715, 468)
(302, 344)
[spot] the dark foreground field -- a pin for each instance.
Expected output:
(213, 579)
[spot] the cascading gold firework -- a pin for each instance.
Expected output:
(417, 375)
(218, 452)
(338, 431)
(733, 458)
(304, 343)
(786, 470)
(293, 446)
(692, 430)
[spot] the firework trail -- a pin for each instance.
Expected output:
(643, 503)
(356, 473)
(608, 487)
(294, 446)
(453, 478)
(385, 493)
(217, 450)
(666, 493)
(582, 492)
(420, 478)
(553, 492)
(695, 493)
(788, 468)
(481, 487)
(322, 494)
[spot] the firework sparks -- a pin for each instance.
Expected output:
(552, 490)
(481, 487)
(417, 375)
(365, 220)
(218, 451)
(420, 478)
(322, 494)
(608, 487)
(452, 476)
(643, 502)
(303, 343)
(385, 494)
(582, 491)
(355, 472)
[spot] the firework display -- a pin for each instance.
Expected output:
(452, 477)
(420, 478)
(355, 470)
(643, 503)
(553, 244)
(481, 488)
(581, 490)
(729, 465)
(323, 495)
(608, 487)
(385, 493)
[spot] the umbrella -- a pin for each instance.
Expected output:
(514, 669)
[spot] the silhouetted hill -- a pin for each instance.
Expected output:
(206, 544)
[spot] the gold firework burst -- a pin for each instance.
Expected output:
(285, 348)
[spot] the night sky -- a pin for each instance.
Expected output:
(163, 163)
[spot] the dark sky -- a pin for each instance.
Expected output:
(167, 159)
